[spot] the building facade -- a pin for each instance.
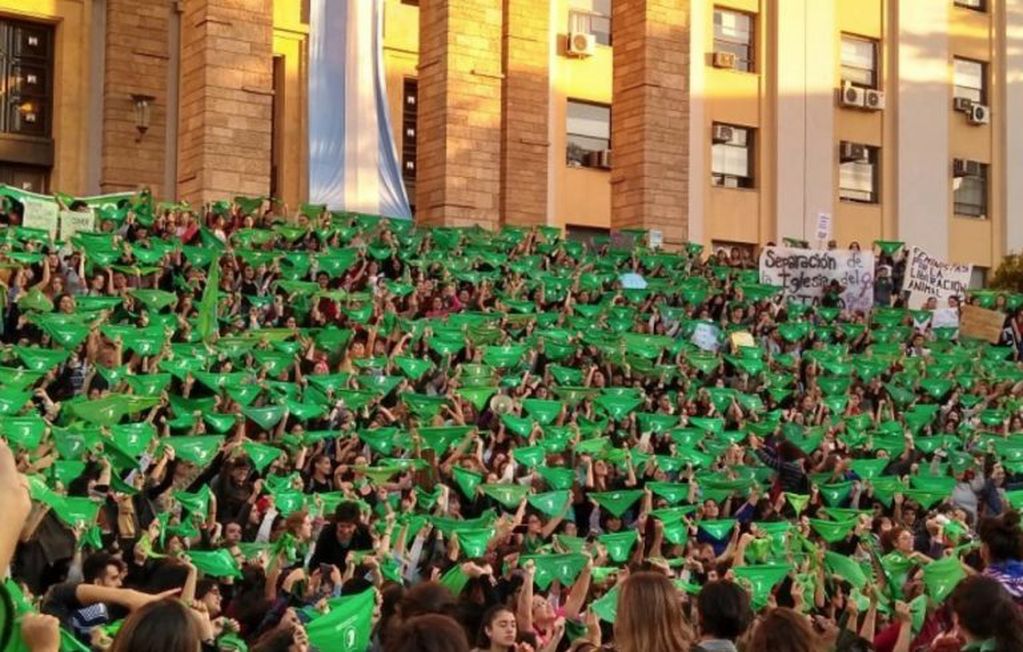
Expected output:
(732, 122)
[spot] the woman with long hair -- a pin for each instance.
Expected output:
(1001, 548)
(986, 618)
(650, 617)
(498, 630)
(429, 633)
(161, 626)
(784, 630)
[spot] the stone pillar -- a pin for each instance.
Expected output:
(136, 60)
(650, 117)
(458, 166)
(525, 112)
(226, 99)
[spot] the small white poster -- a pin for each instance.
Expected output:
(40, 215)
(71, 222)
(823, 227)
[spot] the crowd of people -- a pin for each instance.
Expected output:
(221, 429)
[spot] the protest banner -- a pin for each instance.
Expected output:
(928, 277)
(40, 215)
(981, 323)
(804, 274)
(71, 222)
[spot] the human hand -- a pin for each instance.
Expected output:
(41, 633)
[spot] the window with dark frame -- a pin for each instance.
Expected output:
(26, 65)
(970, 80)
(858, 180)
(859, 61)
(975, 5)
(733, 32)
(732, 156)
(970, 192)
(409, 114)
(591, 17)
(588, 133)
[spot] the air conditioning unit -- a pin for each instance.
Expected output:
(722, 134)
(873, 100)
(852, 96)
(849, 152)
(962, 104)
(964, 168)
(604, 159)
(724, 60)
(979, 114)
(581, 44)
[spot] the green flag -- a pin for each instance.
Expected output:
(467, 481)
(843, 567)
(619, 544)
(942, 576)
(551, 503)
(617, 502)
(474, 542)
(761, 579)
(261, 454)
(508, 494)
(347, 626)
(207, 325)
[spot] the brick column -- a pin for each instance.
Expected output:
(226, 99)
(650, 117)
(458, 166)
(525, 112)
(136, 60)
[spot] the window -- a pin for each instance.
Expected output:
(591, 17)
(26, 62)
(733, 32)
(976, 5)
(858, 177)
(732, 156)
(978, 277)
(859, 61)
(970, 186)
(971, 80)
(588, 127)
(409, 112)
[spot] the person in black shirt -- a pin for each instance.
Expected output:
(345, 534)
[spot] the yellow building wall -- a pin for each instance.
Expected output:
(401, 57)
(738, 98)
(974, 240)
(854, 221)
(71, 76)
(582, 196)
(290, 42)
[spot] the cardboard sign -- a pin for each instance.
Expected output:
(981, 323)
(804, 274)
(741, 338)
(71, 222)
(823, 227)
(40, 215)
(928, 277)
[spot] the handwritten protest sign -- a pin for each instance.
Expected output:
(71, 222)
(981, 323)
(706, 336)
(823, 227)
(804, 274)
(40, 215)
(945, 318)
(927, 277)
